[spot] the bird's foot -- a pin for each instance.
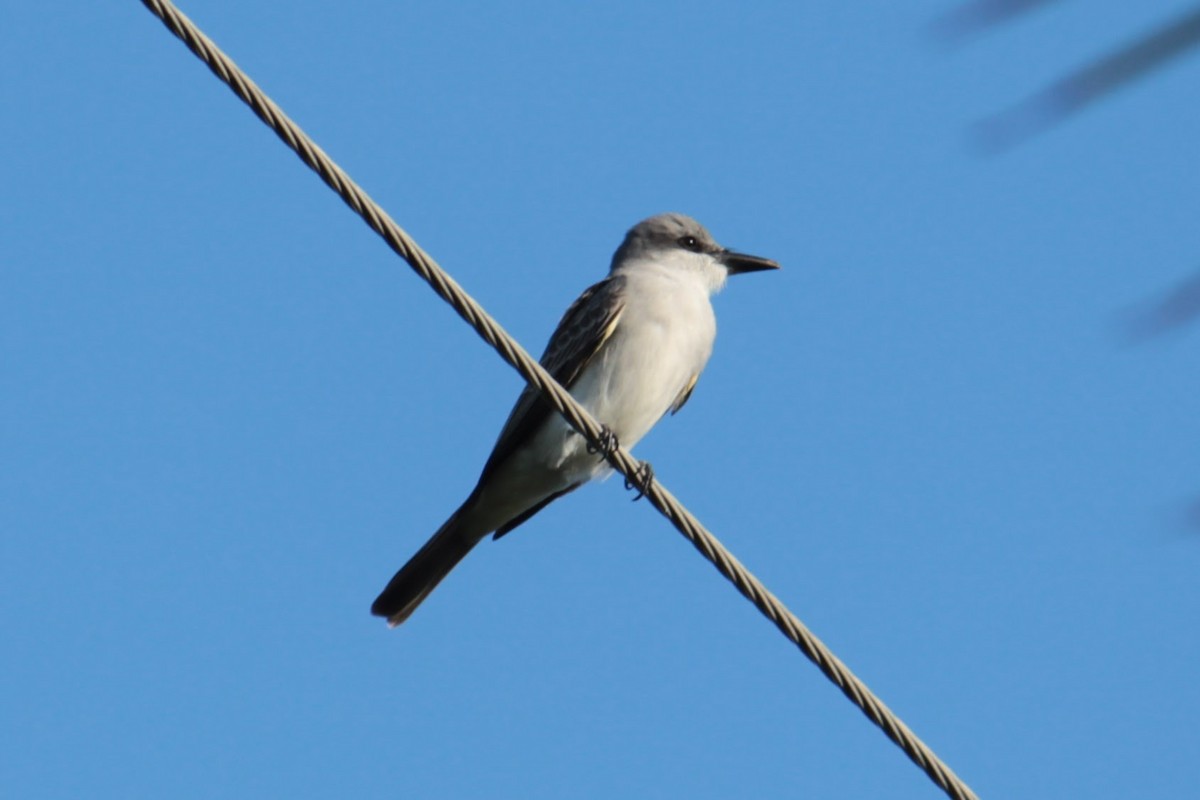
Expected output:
(641, 479)
(607, 445)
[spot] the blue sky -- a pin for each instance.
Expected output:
(230, 413)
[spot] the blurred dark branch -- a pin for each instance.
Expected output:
(973, 17)
(1175, 309)
(1192, 516)
(1081, 89)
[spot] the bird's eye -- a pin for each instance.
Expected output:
(690, 243)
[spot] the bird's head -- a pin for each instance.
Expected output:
(678, 242)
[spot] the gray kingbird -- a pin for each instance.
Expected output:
(630, 349)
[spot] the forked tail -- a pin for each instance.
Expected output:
(424, 571)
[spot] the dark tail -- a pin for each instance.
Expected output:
(424, 571)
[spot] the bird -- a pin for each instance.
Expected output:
(630, 349)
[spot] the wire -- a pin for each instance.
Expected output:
(576, 415)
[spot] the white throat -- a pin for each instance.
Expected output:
(697, 269)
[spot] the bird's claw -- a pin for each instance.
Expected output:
(607, 445)
(641, 479)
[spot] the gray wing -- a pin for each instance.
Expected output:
(580, 334)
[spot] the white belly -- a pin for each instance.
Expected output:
(652, 356)
(662, 341)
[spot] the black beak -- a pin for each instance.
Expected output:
(737, 263)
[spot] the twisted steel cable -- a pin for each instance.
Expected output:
(559, 398)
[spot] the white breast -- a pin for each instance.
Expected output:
(664, 338)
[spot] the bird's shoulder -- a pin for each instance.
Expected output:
(586, 325)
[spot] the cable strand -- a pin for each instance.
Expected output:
(579, 419)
